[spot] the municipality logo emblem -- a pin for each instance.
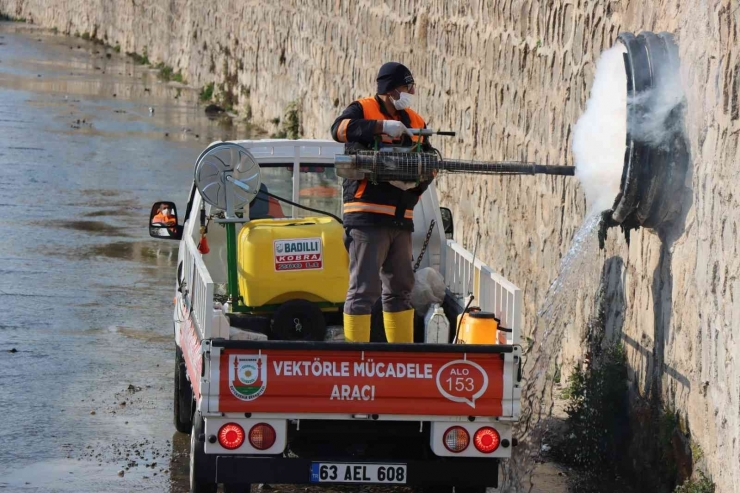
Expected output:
(247, 376)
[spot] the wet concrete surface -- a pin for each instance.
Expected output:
(85, 294)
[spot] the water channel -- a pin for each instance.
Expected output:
(86, 345)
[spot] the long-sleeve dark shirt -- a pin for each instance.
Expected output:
(360, 132)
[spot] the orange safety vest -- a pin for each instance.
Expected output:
(161, 218)
(274, 210)
(361, 203)
(371, 111)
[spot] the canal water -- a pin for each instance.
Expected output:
(86, 336)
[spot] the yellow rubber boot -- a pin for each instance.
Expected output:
(399, 326)
(356, 328)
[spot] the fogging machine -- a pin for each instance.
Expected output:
(414, 164)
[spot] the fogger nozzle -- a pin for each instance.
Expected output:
(505, 167)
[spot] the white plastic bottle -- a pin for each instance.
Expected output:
(437, 327)
(219, 324)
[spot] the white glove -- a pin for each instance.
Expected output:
(395, 128)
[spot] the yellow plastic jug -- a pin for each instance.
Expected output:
(478, 328)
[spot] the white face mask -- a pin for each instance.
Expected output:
(165, 211)
(404, 101)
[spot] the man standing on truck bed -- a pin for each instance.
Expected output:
(378, 218)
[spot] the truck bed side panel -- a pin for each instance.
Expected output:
(191, 349)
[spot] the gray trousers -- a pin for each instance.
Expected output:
(379, 263)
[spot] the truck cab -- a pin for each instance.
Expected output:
(263, 380)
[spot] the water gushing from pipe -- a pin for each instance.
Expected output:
(577, 280)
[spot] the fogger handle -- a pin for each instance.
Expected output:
(428, 131)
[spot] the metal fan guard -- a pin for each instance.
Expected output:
(215, 163)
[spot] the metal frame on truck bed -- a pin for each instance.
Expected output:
(318, 412)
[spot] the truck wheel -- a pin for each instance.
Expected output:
(200, 463)
(237, 488)
(183, 398)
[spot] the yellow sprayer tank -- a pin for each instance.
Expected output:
(478, 327)
(280, 260)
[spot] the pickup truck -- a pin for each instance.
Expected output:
(263, 408)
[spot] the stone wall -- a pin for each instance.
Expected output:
(511, 77)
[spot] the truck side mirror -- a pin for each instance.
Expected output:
(447, 222)
(163, 221)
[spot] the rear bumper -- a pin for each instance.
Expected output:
(271, 470)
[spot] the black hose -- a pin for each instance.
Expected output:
(298, 205)
(459, 324)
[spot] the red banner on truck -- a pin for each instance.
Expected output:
(369, 382)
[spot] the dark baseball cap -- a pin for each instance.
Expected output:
(392, 75)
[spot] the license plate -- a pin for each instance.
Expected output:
(332, 472)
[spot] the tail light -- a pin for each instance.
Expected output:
(262, 436)
(231, 436)
(456, 439)
(486, 440)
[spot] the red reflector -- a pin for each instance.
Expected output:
(487, 440)
(262, 436)
(456, 439)
(231, 436)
